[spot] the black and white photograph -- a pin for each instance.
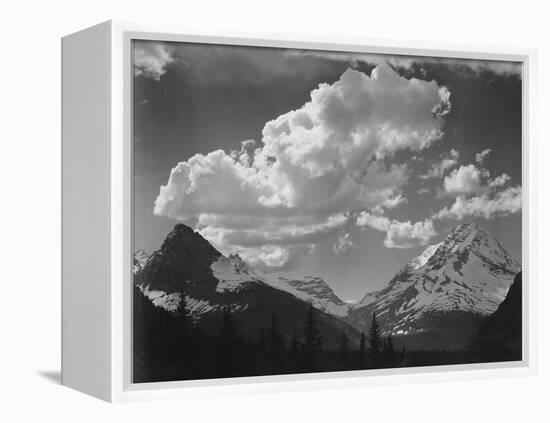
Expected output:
(302, 211)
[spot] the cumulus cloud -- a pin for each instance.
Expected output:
(488, 205)
(151, 58)
(312, 167)
(447, 161)
(499, 181)
(478, 194)
(343, 243)
(480, 157)
(464, 180)
(398, 234)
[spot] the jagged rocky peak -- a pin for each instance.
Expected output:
(183, 239)
(240, 265)
(140, 258)
(182, 263)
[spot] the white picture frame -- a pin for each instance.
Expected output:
(97, 229)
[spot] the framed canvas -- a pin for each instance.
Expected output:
(272, 212)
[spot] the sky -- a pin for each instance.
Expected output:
(331, 164)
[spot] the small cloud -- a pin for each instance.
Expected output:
(447, 161)
(398, 234)
(151, 58)
(342, 244)
(488, 205)
(499, 181)
(480, 157)
(464, 180)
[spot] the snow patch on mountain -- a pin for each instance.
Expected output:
(468, 272)
(159, 298)
(195, 307)
(313, 290)
(233, 273)
(422, 259)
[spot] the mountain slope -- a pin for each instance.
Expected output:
(500, 335)
(313, 290)
(188, 266)
(450, 286)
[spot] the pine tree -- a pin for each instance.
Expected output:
(375, 342)
(294, 350)
(227, 345)
(312, 341)
(344, 351)
(182, 315)
(276, 344)
(262, 344)
(389, 353)
(182, 344)
(362, 352)
(403, 357)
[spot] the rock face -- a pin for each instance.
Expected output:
(188, 266)
(140, 258)
(500, 335)
(450, 286)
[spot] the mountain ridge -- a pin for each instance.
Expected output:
(462, 278)
(455, 282)
(188, 267)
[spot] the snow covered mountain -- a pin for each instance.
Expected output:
(234, 275)
(188, 266)
(466, 276)
(447, 289)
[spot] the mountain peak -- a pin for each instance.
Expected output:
(471, 238)
(469, 272)
(240, 265)
(468, 229)
(184, 238)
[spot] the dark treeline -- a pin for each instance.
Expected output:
(169, 346)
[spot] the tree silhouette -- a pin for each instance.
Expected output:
(344, 350)
(294, 350)
(312, 341)
(276, 344)
(182, 323)
(226, 348)
(389, 352)
(362, 352)
(262, 343)
(375, 342)
(182, 313)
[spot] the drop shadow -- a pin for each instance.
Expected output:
(54, 376)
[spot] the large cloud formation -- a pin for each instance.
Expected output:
(313, 167)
